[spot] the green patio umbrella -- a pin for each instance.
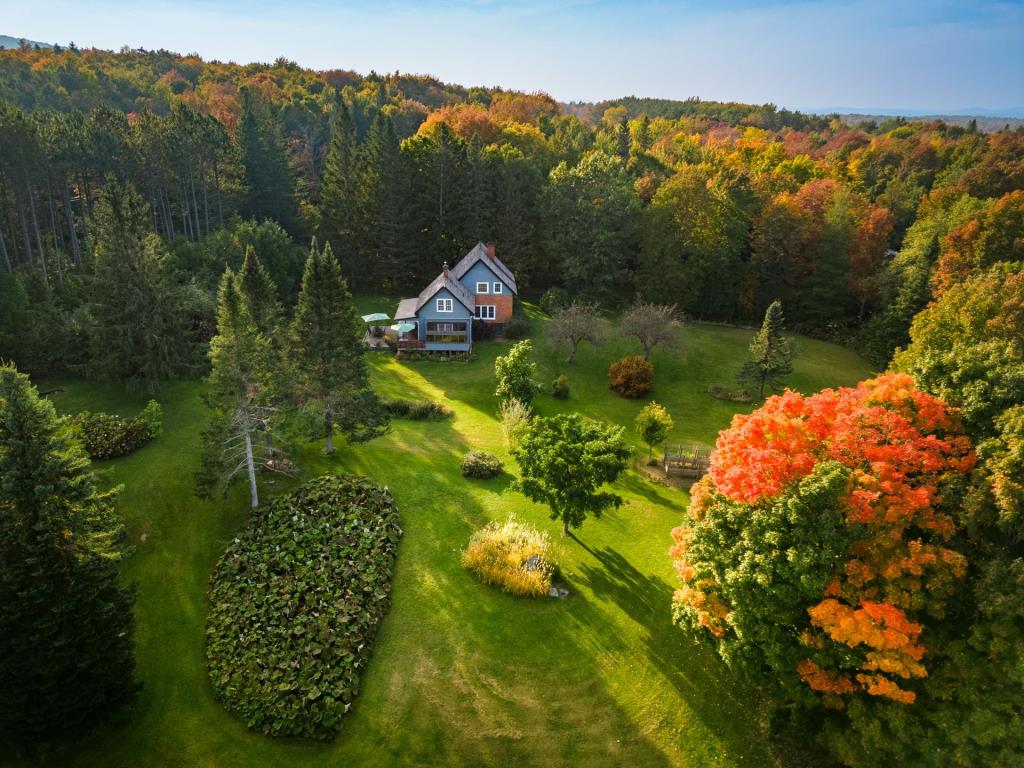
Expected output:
(376, 317)
(403, 327)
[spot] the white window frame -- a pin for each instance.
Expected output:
(497, 288)
(445, 305)
(485, 311)
(486, 287)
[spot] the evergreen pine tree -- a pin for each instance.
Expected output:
(137, 328)
(770, 355)
(479, 186)
(238, 394)
(268, 176)
(66, 655)
(338, 212)
(260, 294)
(623, 139)
(384, 253)
(326, 353)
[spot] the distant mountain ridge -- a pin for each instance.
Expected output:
(6, 41)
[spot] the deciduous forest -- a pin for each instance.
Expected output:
(717, 208)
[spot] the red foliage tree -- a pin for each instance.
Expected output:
(901, 448)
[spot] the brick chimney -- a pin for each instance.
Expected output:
(444, 269)
(490, 251)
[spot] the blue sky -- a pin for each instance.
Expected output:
(897, 54)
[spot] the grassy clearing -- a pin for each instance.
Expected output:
(462, 674)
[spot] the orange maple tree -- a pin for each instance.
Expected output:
(900, 448)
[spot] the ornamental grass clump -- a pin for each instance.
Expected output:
(295, 603)
(512, 556)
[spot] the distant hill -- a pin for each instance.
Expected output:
(987, 119)
(987, 123)
(6, 41)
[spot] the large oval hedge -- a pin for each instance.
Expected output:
(295, 604)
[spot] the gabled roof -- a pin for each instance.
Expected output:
(410, 307)
(479, 253)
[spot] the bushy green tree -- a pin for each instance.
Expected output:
(770, 354)
(967, 349)
(326, 354)
(565, 460)
(516, 374)
(590, 223)
(653, 424)
(66, 653)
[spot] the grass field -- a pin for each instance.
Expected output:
(462, 675)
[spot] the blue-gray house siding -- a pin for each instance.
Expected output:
(428, 313)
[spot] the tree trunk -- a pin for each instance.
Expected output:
(565, 527)
(69, 214)
(85, 194)
(3, 251)
(35, 226)
(195, 204)
(572, 353)
(58, 236)
(328, 431)
(186, 219)
(206, 198)
(250, 466)
(23, 221)
(220, 202)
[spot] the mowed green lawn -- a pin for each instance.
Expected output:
(461, 675)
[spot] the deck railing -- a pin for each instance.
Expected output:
(411, 344)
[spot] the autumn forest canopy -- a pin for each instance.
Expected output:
(718, 208)
(854, 556)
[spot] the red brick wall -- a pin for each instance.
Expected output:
(502, 305)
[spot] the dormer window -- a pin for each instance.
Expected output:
(483, 288)
(445, 305)
(497, 288)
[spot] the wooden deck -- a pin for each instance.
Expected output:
(688, 460)
(410, 344)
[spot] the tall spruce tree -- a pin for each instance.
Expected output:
(238, 394)
(260, 294)
(338, 211)
(137, 328)
(326, 354)
(268, 176)
(381, 197)
(770, 354)
(66, 655)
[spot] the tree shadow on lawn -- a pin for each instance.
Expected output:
(471, 675)
(714, 695)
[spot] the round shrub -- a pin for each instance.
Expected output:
(106, 436)
(631, 376)
(295, 602)
(560, 387)
(512, 556)
(481, 465)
